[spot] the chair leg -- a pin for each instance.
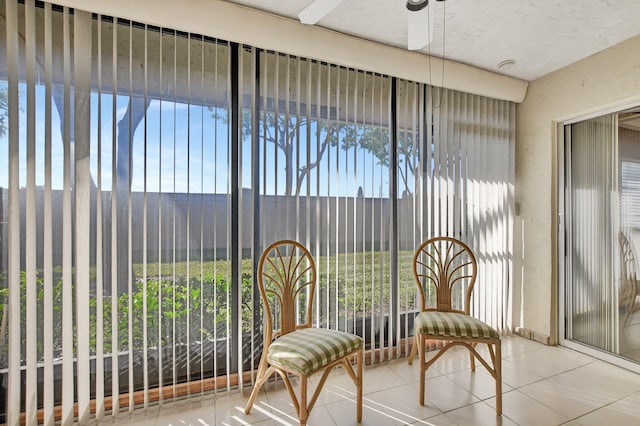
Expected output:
(303, 401)
(261, 377)
(497, 365)
(359, 361)
(472, 358)
(421, 356)
(414, 347)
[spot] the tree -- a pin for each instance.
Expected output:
(284, 132)
(376, 141)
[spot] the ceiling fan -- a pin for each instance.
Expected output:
(420, 25)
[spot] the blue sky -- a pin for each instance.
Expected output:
(186, 150)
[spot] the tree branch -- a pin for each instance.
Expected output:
(304, 171)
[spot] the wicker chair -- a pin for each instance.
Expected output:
(287, 280)
(449, 267)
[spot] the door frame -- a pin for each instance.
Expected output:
(562, 182)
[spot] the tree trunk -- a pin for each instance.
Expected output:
(126, 129)
(289, 171)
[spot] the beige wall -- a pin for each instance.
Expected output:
(598, 83)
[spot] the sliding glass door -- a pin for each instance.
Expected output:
(602, 196)
(592, 314)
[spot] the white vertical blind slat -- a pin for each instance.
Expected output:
(465, 123)
(202, 218)
(115, 343)
(482, 206)
(337, 199)
(473, 182)
(354, 214)
(316, 137)
(451, 156)
(429, 147)
(48, 419)
(614, 227)
(411, 143)
(422, 149)
(161, 294)
(438, 162)
(129, 228)
(313, 91)
(68, 391)
(361, 220)
(13, 264)
(494, 202)
(81, 139)
(511, 214)
(237, 245)
(477, 207)
(173, 219)
(497, 214)
(228, 238)
(277, 135)
(145, 232)
(187, 231)
(31, 391)
(369, 262)
(254, 190)
(342, 199)
(100, 260)
(378, 221)
(331, 125)
(487, 234)
(460, 179)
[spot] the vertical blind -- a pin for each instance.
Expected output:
(142, 171)
(321, 166)
(114, 210)
(456, 178)
(593, 269)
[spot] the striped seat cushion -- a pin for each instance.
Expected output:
(452, 324)
(308, 349)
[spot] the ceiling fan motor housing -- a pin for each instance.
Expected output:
(416, 5)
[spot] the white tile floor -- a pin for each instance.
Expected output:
(542, 386)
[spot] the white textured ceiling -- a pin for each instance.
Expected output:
(540, 35)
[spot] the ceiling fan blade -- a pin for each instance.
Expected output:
(420, 27)
(317, 10)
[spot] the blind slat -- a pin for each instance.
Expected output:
(13, 264)
(68, 379)
(100, 259)
(48, 226)
(82, 191)
(31, 395)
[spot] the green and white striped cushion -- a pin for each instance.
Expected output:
(453, 324)
(308, 349)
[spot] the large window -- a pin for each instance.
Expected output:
(323, 175)
(123, 145)
(142, 171)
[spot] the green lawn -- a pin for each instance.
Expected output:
(184, 302)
